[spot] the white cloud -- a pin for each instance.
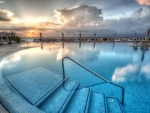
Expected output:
(5, 15)
(143, 13)
(2, 1)
(138, 22)
(88, 18)
(79, 15)
(141, 2)
(85, 19)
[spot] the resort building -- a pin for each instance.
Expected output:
(7, 38)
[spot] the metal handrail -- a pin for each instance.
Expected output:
(94, 74)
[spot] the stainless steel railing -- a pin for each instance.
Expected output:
(122, 88)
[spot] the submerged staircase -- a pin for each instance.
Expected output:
(69, 99)
(52, 93)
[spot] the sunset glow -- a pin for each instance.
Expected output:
(74, 17)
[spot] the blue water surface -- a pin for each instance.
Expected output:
(117, 62)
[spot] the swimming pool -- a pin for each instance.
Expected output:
(119, 63)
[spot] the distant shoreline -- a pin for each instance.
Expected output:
(75, 37)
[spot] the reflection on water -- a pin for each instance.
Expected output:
(119, 59)
(14, 58)
(42, 45)
(117, 62)
(124, 73)
(63, 44)
(146, 70)
(94, 44)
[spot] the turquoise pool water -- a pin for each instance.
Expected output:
(118, 63)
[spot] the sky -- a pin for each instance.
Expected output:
(27, 18)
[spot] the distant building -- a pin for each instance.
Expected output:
(7, 38)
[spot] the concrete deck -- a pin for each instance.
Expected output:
(9, 49)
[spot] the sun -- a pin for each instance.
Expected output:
(29, 34)
(32, 33)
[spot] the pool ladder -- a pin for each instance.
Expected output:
(122, 88)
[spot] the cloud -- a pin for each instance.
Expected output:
(141, 13)
(142, 2)
(89, 18)
(5, 15)
(17, 28)
(2, 1)
(137, 22)
(79, 15)
(85, 19)
(49, 23)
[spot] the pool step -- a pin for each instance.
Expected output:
(59, 98)
(35, 84)
(97, 103)
(114, 105)
(79, 102)
(2, 109)
(51, 93)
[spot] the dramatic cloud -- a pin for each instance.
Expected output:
(141, 13)
(146, 2)
(79, 15)
(5, 15)
(85, 19)
(137, 22)
(90, 21)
